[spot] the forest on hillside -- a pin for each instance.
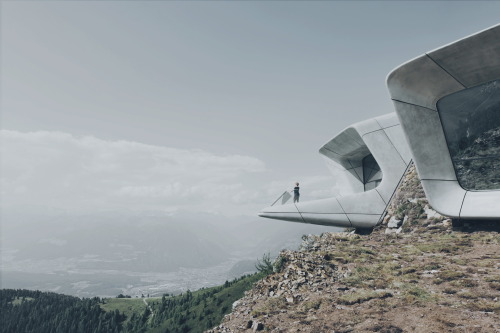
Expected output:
(36, 311)
(192, 311)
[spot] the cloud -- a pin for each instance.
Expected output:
(51, 170)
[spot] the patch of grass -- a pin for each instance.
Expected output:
(341, 260)
(463, 242)
(410, 250)
(464, 283)
(379, 284)
(448, 275)
(446, 323)
(467, 295)
(364, 275)
(356, 253)
(407, 227)
(459, 261)
(485, 306)
(385, 257)
(128, 306)
(413, 293)
(258, 312)
(274, 304)
(486, 238)
(449, 291)
(432, 266)
(311, 305)
(492, 278)
(19, 300)
(438, 246)
(494, 285)
(362, 296)
(407, 270)
(401, 210)
(485, 263)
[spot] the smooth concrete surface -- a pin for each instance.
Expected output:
(368, 202)
(427, 142)
(487, 200)
(381, 146)
(398, 139)
(291, 217)
(444, 196)
(364, 221)
(387, 121)
(415, 88)
(421, 82)
(367, 126)
(347, 150)
(472, 59)
(339, 220)
(322, 206)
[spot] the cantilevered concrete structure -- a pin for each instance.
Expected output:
(448, 103)
(374, 156)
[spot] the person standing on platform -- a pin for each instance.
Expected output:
(296, 194)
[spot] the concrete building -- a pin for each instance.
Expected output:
(373, 155)
(448, 108)
(448, 104)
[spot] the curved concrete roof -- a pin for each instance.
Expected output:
(383, 138)
(415, 88)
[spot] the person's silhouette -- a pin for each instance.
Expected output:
(296, 194)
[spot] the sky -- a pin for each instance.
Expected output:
(214, 107)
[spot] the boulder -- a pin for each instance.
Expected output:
(394, 223)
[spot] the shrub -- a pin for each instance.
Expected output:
(279, 264)
(266, 265)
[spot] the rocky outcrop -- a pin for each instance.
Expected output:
(409, 209)
(412, 274)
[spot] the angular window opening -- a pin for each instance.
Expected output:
(471, 124)
(372, 175)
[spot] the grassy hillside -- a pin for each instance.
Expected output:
(434, 281)
(36, 311)
(127, 306)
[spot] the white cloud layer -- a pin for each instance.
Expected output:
(54, 170)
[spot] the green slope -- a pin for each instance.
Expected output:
(189, 312)
(127, 306)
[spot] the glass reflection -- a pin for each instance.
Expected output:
(372, 175)
(471, 123)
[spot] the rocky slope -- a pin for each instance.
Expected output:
(414, 273)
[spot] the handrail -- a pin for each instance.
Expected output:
(284, 198)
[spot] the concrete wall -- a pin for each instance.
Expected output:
(415, 88)
(383, 138)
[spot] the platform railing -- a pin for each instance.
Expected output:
(284, 198)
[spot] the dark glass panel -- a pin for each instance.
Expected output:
(471, 123)
(372, 175)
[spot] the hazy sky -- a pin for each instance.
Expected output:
(212, 106)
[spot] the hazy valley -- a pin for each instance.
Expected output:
(101, 256)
